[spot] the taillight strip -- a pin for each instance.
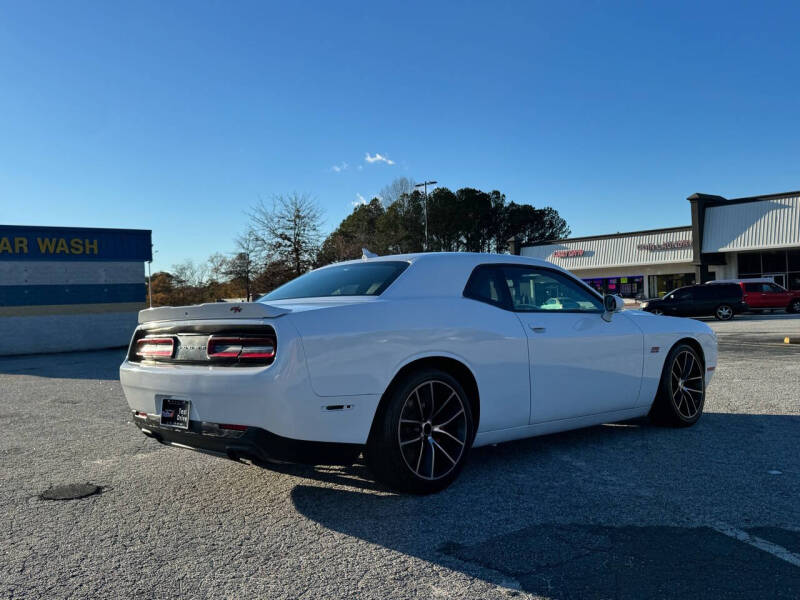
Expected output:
(240, 347)
(155, 347)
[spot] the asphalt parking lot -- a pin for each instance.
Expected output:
(616, 511)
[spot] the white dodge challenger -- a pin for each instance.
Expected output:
(411, 360)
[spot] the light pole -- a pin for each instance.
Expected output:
(150, 278)
(425, 185)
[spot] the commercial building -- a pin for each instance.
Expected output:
(757, 236)
(65, 288)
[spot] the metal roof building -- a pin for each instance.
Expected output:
(757, 236)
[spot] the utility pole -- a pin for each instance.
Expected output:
(149, 284)
(425, 185)
(150, 276)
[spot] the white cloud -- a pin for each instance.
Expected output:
(359, 200)
(378, 158)
(342, 166)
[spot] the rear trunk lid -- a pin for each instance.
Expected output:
(215, 310)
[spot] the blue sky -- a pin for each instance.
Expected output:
(177, 117)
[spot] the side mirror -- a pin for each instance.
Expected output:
(612, 304)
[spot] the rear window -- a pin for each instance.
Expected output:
(358, 279)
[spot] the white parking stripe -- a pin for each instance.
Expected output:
(760, 543)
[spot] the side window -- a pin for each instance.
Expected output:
(684, 294)
(486, 285)
(771, 288)
(534, 290)
(752, 287)
(707, 292)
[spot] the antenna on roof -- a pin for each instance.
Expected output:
(365, 254)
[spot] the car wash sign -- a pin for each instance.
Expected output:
(74, 243)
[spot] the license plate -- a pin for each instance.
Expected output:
(175, 413)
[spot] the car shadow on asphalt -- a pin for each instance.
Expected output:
(96, 364)
(627, 510)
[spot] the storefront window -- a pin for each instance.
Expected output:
(627, 287)
(659, 285)
(773, 262)
(794, 260)
(782, 265)
(750, 264)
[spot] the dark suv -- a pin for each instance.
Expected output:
(723, 300)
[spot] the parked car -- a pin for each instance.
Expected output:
(763, 294)
(410, 360)
(722, 300)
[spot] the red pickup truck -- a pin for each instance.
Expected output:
(765, 295)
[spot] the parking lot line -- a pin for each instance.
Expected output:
(760, 543)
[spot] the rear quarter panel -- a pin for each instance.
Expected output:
(358, 349)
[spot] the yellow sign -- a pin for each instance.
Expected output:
(48, 246)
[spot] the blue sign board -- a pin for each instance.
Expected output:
(74, 243)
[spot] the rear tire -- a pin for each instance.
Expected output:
(681, 393)
(724, 312)
(422, 433)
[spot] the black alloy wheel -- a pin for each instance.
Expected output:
(681, 393)
(422, 433)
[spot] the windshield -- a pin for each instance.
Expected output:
(356, 279)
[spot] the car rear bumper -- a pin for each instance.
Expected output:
(277, 398)
(253, 443)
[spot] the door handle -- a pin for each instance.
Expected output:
(538, 329)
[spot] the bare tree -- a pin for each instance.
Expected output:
(402, 186)
(288, 231)
(242, 267)
(217, 265)
(189, 274)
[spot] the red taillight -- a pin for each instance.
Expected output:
(241, 347)
(223, 347)
(233, 427)
(155, 347)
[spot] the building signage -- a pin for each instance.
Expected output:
(73, 243)
(568, 253)
(665, 245)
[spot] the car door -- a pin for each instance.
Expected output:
(679, 303)
(753, 295)
(774, 296)
(704, 299)
(580, 364)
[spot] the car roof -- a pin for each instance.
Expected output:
(475, 258)
(442, 273)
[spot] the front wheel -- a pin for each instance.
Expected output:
(657, 311)
(794, 307)
(422, 433)
(724, 312)
(681, 393)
